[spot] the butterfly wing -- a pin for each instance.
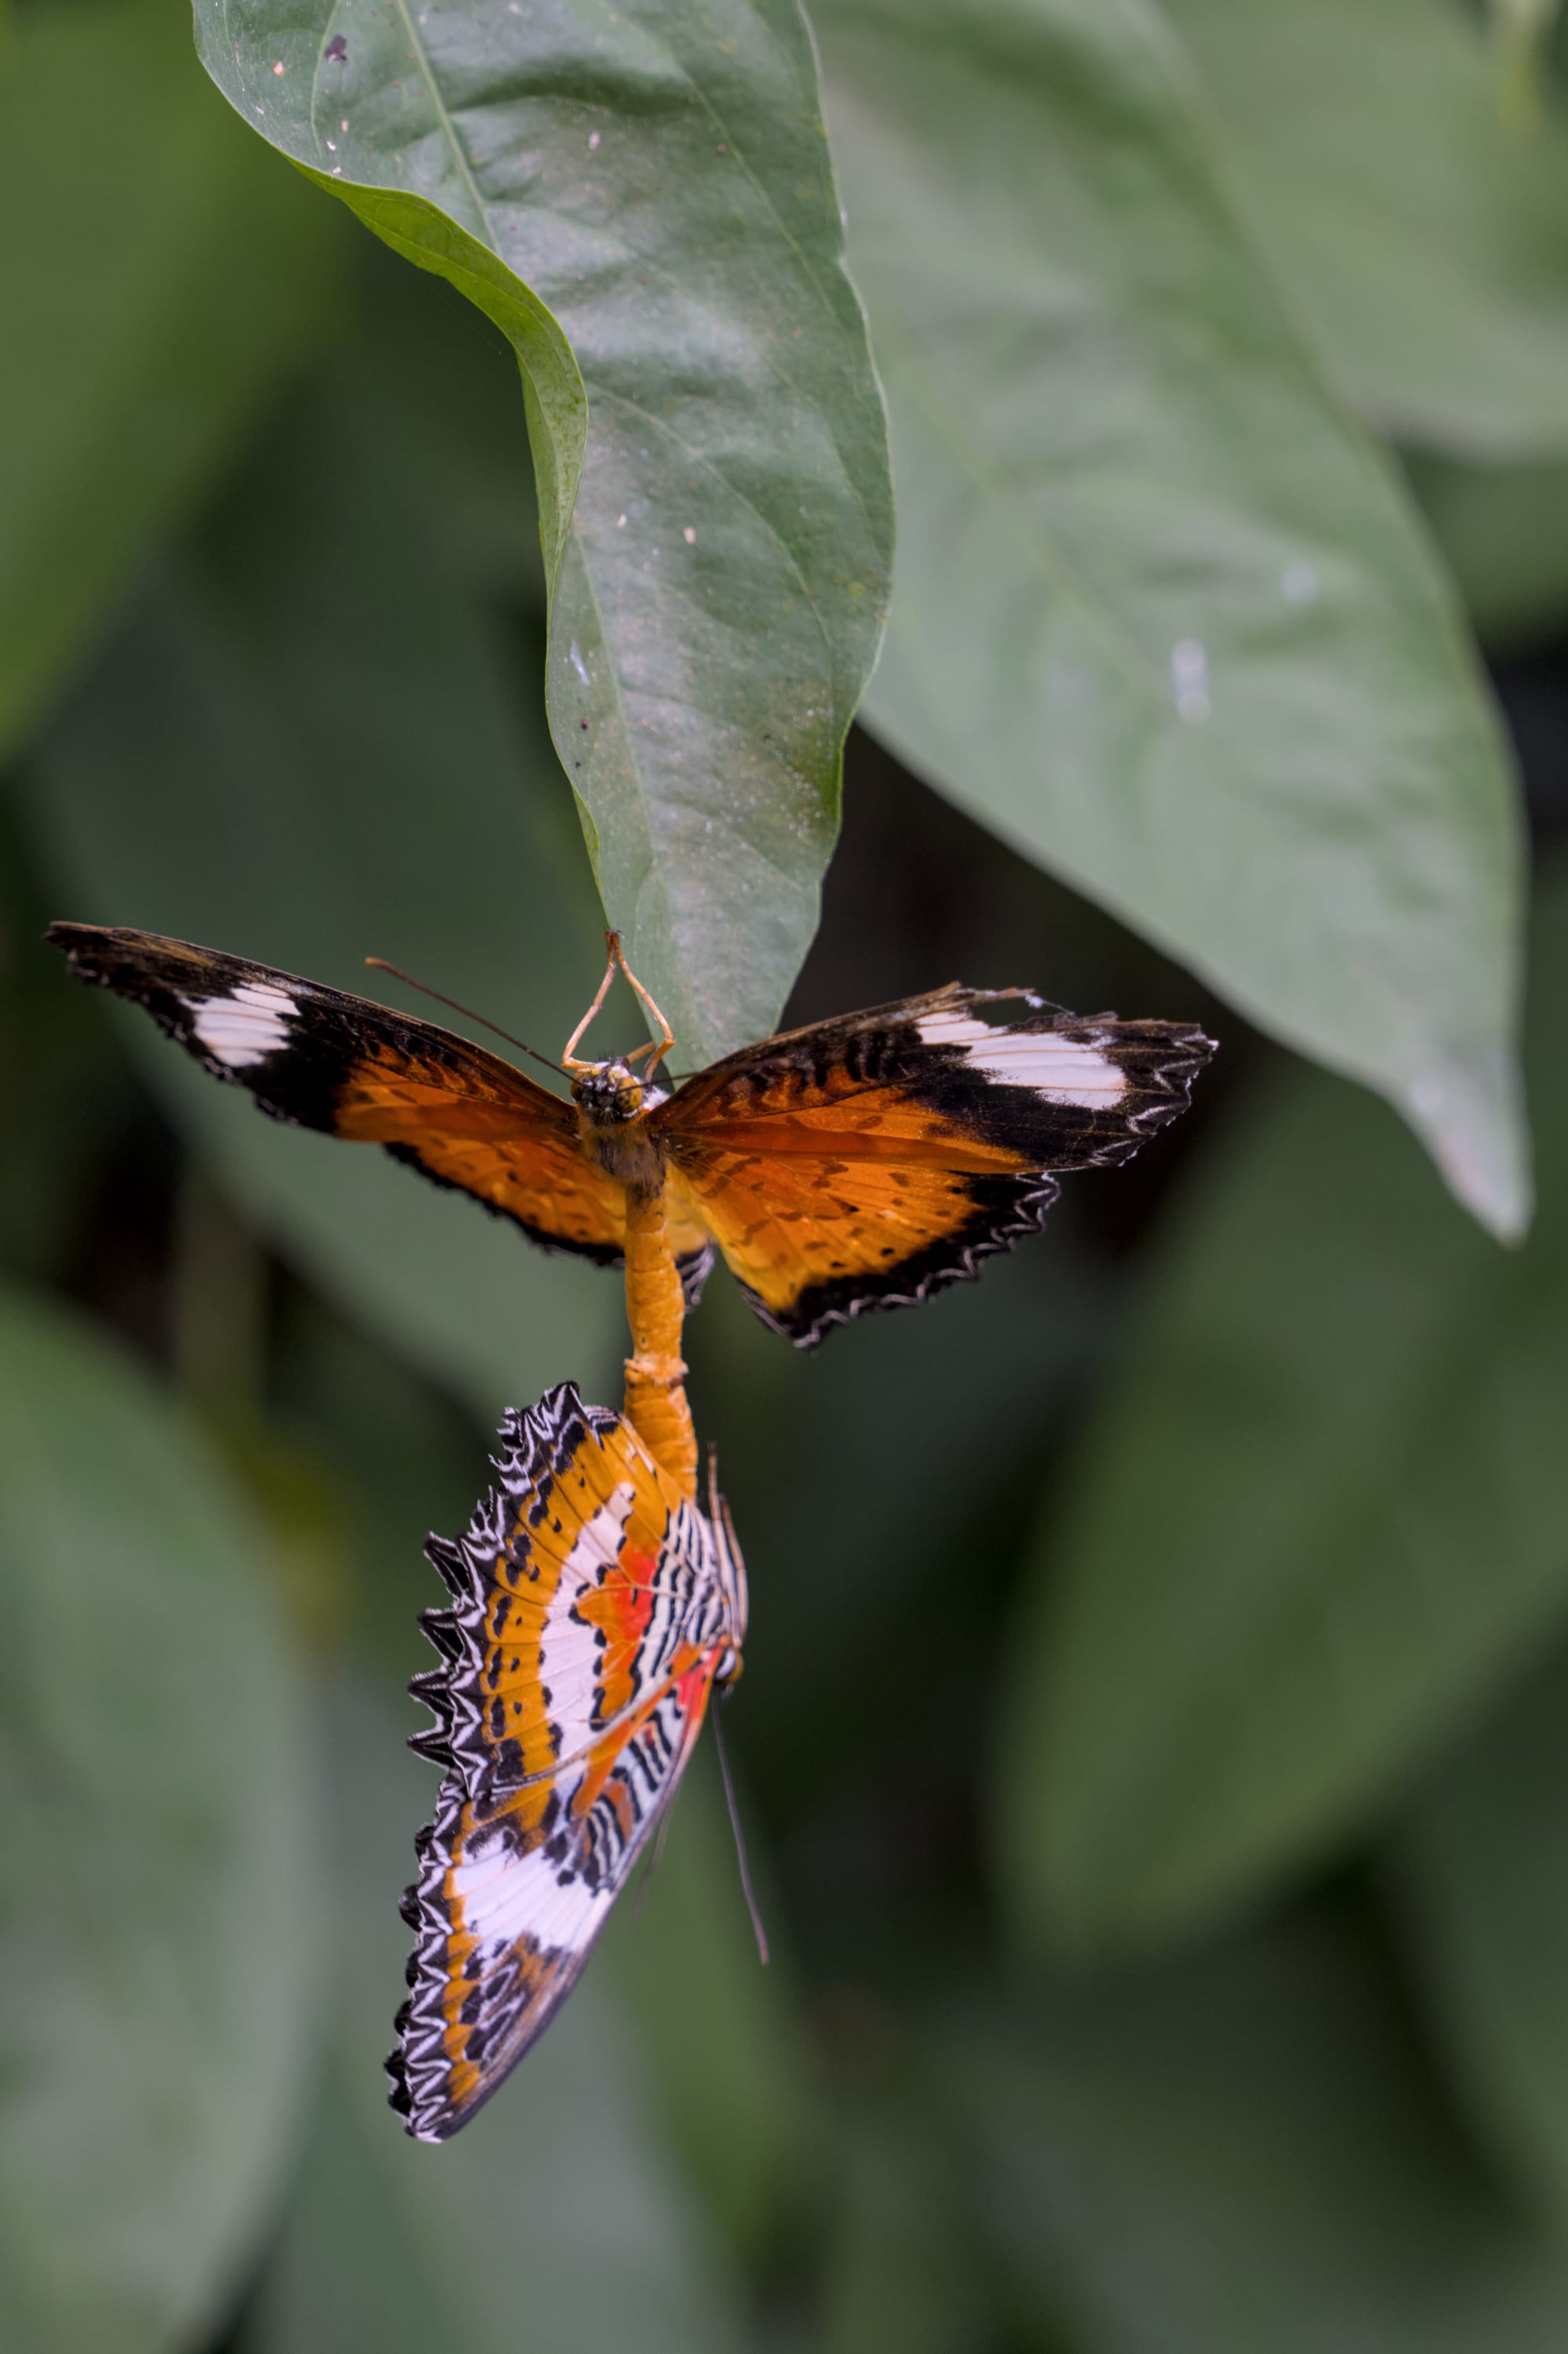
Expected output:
(862, 1163)
(591, 1614)
(322, 1059)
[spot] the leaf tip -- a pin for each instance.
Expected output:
(1471, 1118)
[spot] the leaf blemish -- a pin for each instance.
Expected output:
(1190, 679)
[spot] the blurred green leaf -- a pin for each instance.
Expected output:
(902, 2274)
(556, 2220)
(443, 380)
(684, 1964)
(1521, 35)
(158, 279)
(1162, 619)
(64, 1086)
(1244, 2155)
(305, 748)
(1319, 1515)
(719, 574)
(156, 1889)
(1480, 1865)
(1423, 240)
(1503, 531)
(403, 1457)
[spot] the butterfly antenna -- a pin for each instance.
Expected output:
(758, 1931)
(467, 1012)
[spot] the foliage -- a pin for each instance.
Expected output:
(648, 213)
(1151, 1737)
(1173, 628)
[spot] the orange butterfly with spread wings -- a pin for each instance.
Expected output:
(859, 1162)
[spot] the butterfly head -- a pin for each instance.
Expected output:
(610, 1094)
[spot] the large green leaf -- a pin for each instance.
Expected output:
(1480, 1864)
(643, 198)
(155, 1889)
(1321, 1512)
(900, 2275)
(554, 2223)
(1163, 619)
(63, 1083)
(1503, 531)
(1244, 2155)
(1423, 239)
(156, 279)
(305, 748)
(684, 1961)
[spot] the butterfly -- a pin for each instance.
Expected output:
(858, 1162)
(594, 1611)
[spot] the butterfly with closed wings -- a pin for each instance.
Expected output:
(594, 1612)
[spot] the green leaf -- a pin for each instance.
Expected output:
(643, 203)
(305, 748)
(900, 2275)
(1319, 1517)
(155, 1891)
(685, 1964)
(555, 2219)
(64, 1086)
(448, 385)
(1480, 1866)
(158, 279)
(1423, 240)
(1244, 2155)
(1163, 618)
(1521, 35)
(1503, 531)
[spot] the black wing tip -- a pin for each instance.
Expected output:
(89, 948)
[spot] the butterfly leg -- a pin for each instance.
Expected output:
(656, 1404)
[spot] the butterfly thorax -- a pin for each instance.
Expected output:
(612, 1103)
